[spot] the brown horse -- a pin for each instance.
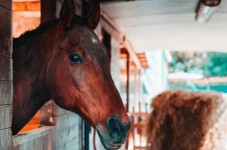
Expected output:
(64, 60)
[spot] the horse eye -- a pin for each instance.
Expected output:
(76, 58)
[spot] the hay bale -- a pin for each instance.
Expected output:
(185, 120)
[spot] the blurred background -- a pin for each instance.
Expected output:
(156, 45)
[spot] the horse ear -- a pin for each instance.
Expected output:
(91, 13)
(67, 12)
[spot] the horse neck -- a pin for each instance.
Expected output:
(29, 90)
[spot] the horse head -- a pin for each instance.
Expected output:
(78, 76)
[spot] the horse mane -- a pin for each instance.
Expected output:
(42, 28)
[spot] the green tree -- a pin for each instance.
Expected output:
(215, 64)
(187, 62)
(206, 63)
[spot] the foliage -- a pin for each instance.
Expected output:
(206, 63)
(215, 65)
(187, 62)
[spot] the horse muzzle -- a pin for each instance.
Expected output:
(115, 134)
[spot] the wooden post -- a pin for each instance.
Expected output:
(127, 84)
(6, 78)
(48, 10)
(125, 51)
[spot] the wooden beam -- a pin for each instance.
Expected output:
(5, 46)
(6, 4)
(21, 139)
(5, 116)
(6, 141)
(5, 18)
(6, 92)
(48, 10)
(6, 87)
(5, 69)
(26, 6)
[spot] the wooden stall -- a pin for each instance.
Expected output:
(5, 74)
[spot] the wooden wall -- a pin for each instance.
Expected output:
(67, 133)
(5, 74)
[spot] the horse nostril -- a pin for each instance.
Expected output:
(114, 128)
(118, 129)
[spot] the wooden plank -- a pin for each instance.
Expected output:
(36, 144)
(48, 142)
(5, 74)
(6, 92)
(16, 148)
(5, 139)
(6, 4)
(75, 143)
(6, 16)
(5, 46)
(20, 139)
(5, 116)
(63, 136)
(26, 6)
(6, 69)
(66, 121)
